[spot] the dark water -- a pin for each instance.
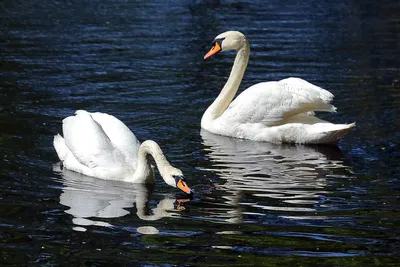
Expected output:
(256, 203)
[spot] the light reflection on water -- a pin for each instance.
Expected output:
(293, 175)
(142, 61)
(93, 201)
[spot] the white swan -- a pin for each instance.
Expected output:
(277, 111)
(100, 145)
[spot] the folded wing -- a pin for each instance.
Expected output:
(272, 103)
(88, 142)
(121, 137)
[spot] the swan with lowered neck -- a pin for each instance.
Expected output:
(100, 145)
(277, 111)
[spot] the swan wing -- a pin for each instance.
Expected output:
(271, 103)
(87, 141)
(120, 136)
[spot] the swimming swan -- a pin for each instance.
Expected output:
(276, 111)
(100, 145)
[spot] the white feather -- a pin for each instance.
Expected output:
(276, 111)
(100, 145)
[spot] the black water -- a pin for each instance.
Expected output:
(255, 203)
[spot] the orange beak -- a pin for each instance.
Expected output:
(184, 187)
(214, 49)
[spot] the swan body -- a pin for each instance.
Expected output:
(100, 145)
(276, 111)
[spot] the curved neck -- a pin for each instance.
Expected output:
(227, 93)
(162, 210)
(144, 172)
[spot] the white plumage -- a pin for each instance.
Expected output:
(100, 145)
(277, 111)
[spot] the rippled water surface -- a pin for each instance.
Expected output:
(256, 204)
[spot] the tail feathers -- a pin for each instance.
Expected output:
(61, 149)
(336, 132)
(340, 127)
(326, 107)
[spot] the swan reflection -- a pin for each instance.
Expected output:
(91, 199)
(277, 177)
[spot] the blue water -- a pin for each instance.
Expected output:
(256, 204)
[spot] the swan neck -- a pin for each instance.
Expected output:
(228, 92)
(144, 172)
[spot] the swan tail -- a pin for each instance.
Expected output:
(60, 146)
(334, 133)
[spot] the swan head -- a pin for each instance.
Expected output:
(175, 178)
(230, 40)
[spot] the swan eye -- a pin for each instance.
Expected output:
(179, 177)
(218, 41)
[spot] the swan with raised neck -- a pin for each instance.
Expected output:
(276, 111)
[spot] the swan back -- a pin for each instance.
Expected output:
(88, 142)
(100, 148)
(120, 136)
